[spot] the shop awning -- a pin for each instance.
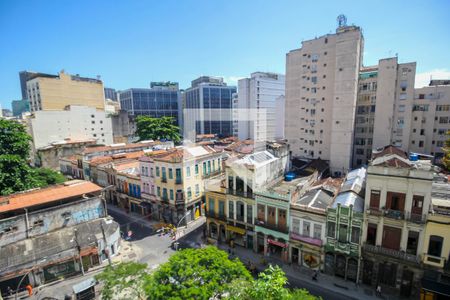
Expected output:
(307, 239)
(236, 229)
(277, 243)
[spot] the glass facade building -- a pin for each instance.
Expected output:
(156, 102)
(213, 101)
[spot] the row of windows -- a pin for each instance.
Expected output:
(341, 233)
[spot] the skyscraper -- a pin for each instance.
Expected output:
(321, 91)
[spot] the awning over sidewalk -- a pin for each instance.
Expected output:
(84, 285)
(236, 229)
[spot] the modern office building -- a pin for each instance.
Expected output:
(110, 94)
(255, 109)
(321, 93)
(384, 107)
(19, 107)
(161, 100)
(56, 92)
(208, 108)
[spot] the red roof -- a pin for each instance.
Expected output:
(50, 194)
(389, 150)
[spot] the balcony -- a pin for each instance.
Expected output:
(179, 198)
(163, 179)
(210, 174)
(241, 193)
(394, 214)
(178, 180)
(240, 218)
(374, 211)
(435, 261)
(218, 216)
(391, 253)
(416, 218)
(274, 227)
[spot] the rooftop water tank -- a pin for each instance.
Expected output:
(289, 176)
(413, 157)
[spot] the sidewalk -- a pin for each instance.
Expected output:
(330, 283)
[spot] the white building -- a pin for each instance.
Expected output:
(256, 112)
(321, 92)
(75, 123)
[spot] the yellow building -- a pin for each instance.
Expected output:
(436, 246)
(216, 207)
(55, 92)
(179, 176)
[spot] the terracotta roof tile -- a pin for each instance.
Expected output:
(127, 146)
(389, 150)
(47, 195)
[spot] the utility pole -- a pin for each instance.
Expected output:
(79, 251)
(108, 254)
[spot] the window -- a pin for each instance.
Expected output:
(331, 230)
(157, 171)
(196, 169)
(420, 143)
(314, 79)
(295, 225)
(158, 191)
(306, 228)
(163, 173)
(401, 108)
(188, 171)
(211, 204)
(443, 120)
(343, 233)
(197, 190)
(355, 235)
(314, 57)
(375, 199)
(435, 245)
(402, 96)
(317, 231)
(171, 194)
(231, 210)
(313, 90)
(189, 193)
(170, 173)
(249, 213)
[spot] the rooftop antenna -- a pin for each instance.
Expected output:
(342, 20)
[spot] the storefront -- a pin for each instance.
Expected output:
(237, 235)
(306, 251)
(277, 248)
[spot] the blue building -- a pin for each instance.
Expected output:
(163, 99)
(209, 104)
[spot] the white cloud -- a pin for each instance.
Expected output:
(423, 79)
(232, 80)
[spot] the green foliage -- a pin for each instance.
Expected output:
(446, 159)
(123, 281)
(149, 128)
(270, 285)
(15, 173)
(44, 177)
(195, 274)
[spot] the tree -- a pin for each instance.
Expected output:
(44, 177)
(123, 281)
(195, 274)
(446, 159)
(271, 285)
(15, 172)
(149, 128)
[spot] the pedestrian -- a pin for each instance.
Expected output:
(9, 291)
(379, 290)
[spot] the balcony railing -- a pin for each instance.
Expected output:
(374, 211)
(394, 214)
(240, 218)
(214, 215)
(416, 218)
(392, 253)
(240, 193)
(213, 173)
(274, 227)
(163, 179)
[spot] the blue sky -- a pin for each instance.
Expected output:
(130, 43)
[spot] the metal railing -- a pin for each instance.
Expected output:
(394, 214)
(274, 227)
(392, 253)
(416, 218)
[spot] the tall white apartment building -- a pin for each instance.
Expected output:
(255, 109)
(383, 108)
(430, 119)
(321, 92)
